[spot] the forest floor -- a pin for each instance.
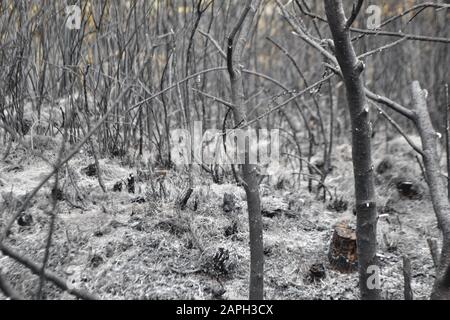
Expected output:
(119, 245)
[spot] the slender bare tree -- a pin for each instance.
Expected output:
(236, 45)
(441, 288)
(366, 211)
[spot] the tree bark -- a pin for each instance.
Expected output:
(407, 290)
(441, 287)
(366, 212)
(249, 173)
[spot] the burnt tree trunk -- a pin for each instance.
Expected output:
(249, 174)
(366, 212)
(407, 290)
(441, 288)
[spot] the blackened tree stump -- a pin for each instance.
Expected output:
(342, 254)
(90, 170)
(131, 184)
(229, 202)
(316, 272)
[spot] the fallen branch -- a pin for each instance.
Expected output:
(51, 276)
(8, 290)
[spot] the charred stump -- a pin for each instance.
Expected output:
(131, 184)
(342, 254)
